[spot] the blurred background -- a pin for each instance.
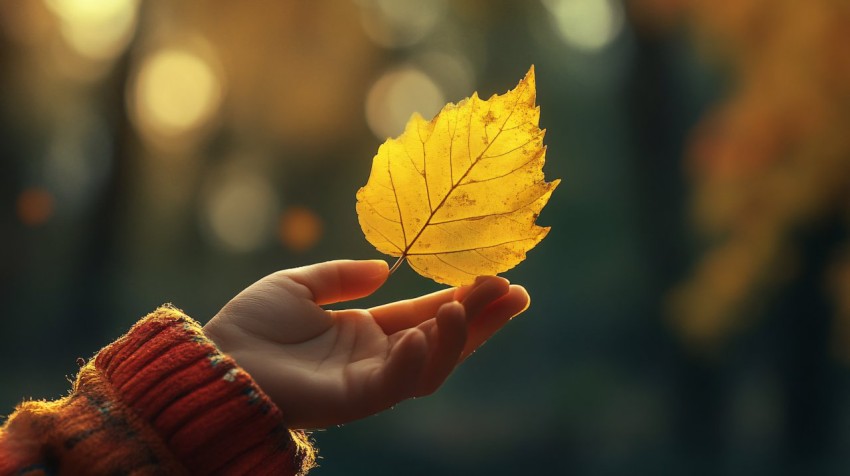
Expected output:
(691, 305)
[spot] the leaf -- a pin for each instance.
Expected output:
(457, 197)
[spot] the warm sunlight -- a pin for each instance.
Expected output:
(176, 91)
(96, 29)
(587, 25)
(398, 94)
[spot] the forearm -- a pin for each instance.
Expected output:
(160, 399)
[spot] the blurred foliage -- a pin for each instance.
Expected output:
(688, 305)
(769, 161)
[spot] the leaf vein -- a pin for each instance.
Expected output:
(509, 151)
(412, 163)
(388, 240)
(488, 179)
(375, 209)
(502, 263)
(425, 169)
(488, 215)
(453, 266)
(395, 196)
(434, 253)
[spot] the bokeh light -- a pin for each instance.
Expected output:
(300, 228)
(96, 29)
(586, 25)
(400, 23)
(176, 91)
(34, 206)
(398, 94)
(451, 70)
(239, 210)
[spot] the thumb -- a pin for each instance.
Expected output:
(340, 280)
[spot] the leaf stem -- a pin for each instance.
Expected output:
(397, 263)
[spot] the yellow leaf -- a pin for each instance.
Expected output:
(457, 197)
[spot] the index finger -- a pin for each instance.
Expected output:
(400, 315)
(409, 313)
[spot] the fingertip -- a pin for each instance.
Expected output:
(449, 311)
(376, 270)
(487, 289)
(340, 280)
(497, 283)
(451, 322)
(379, 263)
(462, 292)
(494, 316)
(521, 295)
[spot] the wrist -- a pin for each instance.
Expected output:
(210, 412)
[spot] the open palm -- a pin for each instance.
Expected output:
(325, 367)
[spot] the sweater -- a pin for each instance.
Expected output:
(162, 399)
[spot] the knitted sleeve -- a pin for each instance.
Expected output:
(161, 399)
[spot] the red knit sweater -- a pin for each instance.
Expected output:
(160, 400)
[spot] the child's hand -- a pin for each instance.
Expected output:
(325, 368)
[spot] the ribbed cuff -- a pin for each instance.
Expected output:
(207, 410)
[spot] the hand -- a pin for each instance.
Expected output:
(325, 368)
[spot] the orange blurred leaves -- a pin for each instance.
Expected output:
(772, 157)
(300, 228)
(34, 206)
